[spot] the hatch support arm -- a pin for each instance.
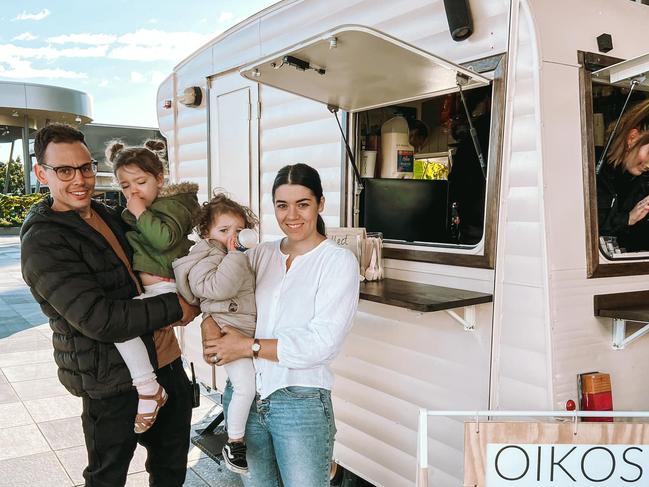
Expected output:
(469, 321)
(620, 340)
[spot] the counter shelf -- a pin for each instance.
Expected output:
(622, 308)
(425, 298)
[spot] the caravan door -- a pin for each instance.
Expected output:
(233, 138)
(233, 168)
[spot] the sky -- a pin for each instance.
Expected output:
(117, 51)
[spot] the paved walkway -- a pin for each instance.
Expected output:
(41, 441)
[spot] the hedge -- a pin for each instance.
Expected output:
(14, 208)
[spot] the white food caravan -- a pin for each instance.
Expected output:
(514, 322)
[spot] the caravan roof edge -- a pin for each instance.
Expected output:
(235, 28)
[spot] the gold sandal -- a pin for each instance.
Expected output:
(144, 421)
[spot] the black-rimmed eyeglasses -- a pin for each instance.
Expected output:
(66, 173)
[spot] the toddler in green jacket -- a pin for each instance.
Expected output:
(161, 218)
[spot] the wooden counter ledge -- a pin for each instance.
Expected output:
(420, 297)
(631, 306)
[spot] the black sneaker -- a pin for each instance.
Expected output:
(234, 454)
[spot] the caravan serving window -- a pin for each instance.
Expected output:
(447, 212)
(374, 78)
(616, 179)
(442, 200)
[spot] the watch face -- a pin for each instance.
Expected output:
(256, 347)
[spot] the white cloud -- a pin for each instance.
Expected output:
(156, 45)
(137, 77)
(90, 39)
(37, 16)
(225, 16)
(103, 83)
(49, 52)
(157, 77)
(21, 69)
(25, 36)
(152, 21)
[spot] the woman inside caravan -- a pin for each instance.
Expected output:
(306, 294)
(623, 182)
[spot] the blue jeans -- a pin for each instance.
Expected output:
(290, 436)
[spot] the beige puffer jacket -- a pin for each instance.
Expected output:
(222, 282)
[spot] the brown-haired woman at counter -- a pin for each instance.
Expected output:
(623, 182)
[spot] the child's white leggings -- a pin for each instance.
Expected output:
(242, 376)
(134, 351)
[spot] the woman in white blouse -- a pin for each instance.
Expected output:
(306, 294)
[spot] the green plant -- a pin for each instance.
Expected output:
(16, 177)
(14, 208)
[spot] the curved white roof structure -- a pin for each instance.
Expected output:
(26, 107)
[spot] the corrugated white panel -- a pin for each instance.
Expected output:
(419, 22)
(521, 357)
(312, 138)
(395, 361)
(167, 118)
(581, 21)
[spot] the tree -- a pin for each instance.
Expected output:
(16, 177)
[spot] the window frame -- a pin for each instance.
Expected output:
(439, 254)
(590, 62)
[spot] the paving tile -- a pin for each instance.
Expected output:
(3, 379)
(7, 394)
(40, 470)
(51, 408)
(142, 480)
(22, 335)
(40, 388)
(29, 357)
(63, 433)
(193, 480)
(74, 460)
(20, 343)
(216, 475)
(30, 371)
(14, 414)
(20, 441)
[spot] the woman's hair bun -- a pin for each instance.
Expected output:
(155, 145)
(113, 148)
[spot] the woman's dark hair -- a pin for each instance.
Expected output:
(306, 176)
(149, 157)
(221, 204)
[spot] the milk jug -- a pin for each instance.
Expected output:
(398, 154)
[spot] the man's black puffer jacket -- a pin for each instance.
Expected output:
(86, 292)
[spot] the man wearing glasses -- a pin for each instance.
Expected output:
(76, 261)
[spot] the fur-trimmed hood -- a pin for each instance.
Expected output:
(178, 188)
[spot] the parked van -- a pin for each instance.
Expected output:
(499, 312)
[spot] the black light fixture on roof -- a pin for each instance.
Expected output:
(459, 19)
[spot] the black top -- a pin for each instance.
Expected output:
(86, 291)
(617, 193)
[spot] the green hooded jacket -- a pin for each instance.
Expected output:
(159, 236)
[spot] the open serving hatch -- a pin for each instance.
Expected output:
(356, 68)
(625, 73)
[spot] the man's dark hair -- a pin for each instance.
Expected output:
(55, 132)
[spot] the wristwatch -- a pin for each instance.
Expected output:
(255, 348)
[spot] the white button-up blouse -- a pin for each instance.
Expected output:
(309, 310)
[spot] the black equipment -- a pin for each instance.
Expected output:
(459, 19)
